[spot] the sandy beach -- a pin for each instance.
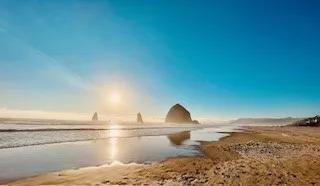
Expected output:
(256, 156)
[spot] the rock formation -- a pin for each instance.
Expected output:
(309, 122)
(139, 118)
(95, 117)
(195, 122)
(178, 114)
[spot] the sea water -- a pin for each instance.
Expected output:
(30, 148)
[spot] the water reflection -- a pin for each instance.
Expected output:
(33, 160)
(196, 136)
(113, 148)
(113, 142)
(179, 138)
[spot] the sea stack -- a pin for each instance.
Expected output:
(139, 118)
(95, 117)
(178, 114)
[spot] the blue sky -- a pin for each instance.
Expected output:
(221, 59)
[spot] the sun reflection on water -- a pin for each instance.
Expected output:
(113, 148)
(114, 134)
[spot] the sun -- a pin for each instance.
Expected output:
(115, 98)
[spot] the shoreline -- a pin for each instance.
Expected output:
(254, 156)
(196, 147)
(162, 133)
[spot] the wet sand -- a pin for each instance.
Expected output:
(256, 156)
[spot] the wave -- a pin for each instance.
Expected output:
(44, 143)
(8, 146)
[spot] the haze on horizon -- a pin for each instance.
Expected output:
(220, 59)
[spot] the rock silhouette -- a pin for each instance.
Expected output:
(139, 118)
(95, 117)
(310, 122)
(195, 122)
(178, 114)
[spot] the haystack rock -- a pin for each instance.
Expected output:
(95, 117)
(178, 114)
(139, 118)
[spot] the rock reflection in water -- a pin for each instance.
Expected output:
(179, 138)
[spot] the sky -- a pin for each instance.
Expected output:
(220, 59)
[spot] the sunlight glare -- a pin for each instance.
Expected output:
(114, 134)
(113, 148)
(115, 98)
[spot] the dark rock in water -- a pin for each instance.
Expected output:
(139, 118)
(308, 122)
(178, 114)
(95, 117)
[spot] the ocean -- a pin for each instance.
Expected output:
(32, 147)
